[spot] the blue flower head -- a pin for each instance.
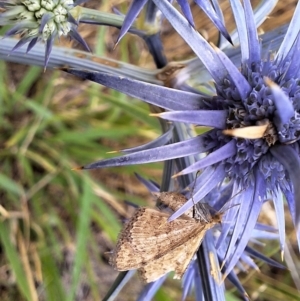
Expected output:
(252, 149)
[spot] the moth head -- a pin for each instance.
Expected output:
(218, 217)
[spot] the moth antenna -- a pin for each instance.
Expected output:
(223, 209)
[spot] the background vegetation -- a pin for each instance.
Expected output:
(57, 225)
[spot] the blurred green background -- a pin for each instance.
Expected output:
(57, 224)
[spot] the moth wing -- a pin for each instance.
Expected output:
(176, 260)
(123, 258)
(148, 235)
(191, 248)
(156, 268)
(153, 233)
(173, 200)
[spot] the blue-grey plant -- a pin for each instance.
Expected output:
(48, 20)
(249, 152)
(252, 148)
(212, 10)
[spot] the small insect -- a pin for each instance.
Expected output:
(154, 246)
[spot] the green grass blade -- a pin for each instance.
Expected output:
(14, 261)
(10, 185)
(29, 78)
(53, 286)
(82, 235)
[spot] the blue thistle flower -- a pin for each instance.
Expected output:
(253, 145)
(41, 20)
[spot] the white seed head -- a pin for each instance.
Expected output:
(36, 20)
(32, 5)
(39, 14)
(26, 15)
(33, 12)
(64, 29)
(48, 4)
(48, 30)
(32, 32)
(60, 14)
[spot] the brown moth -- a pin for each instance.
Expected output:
(154, 246)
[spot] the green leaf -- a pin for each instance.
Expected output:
(82, 236)
(38, 109)
(10, 185)
(14, 260)
(106, 220)
(28, 79)
(230, 297)
(52, 279)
